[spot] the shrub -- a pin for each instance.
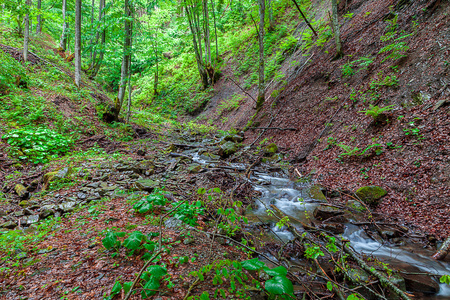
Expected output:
(375, 111)
(38, 145)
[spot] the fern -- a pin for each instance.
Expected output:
(375, 111)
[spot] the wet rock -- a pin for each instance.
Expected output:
(355, 205)
(388, 232)
(211, 156)
(21, 191)
(336, 228)
(421, 283)
(358, 275)
(316, 193)
(147, 185)
(9, 225)
(227, 149)
(323, 212)
(233, 138)
(270, 149)
(370, 194)
(399, 282)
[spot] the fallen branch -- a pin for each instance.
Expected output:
(274, 128)
(445, 249)
(242, 89)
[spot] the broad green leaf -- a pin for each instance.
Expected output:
(329, 286)
(279, 285)
(110, 241)
(126, 286)
(150, 287)
(252, 264)
(157, 271)
(278, 271)
(134, 240)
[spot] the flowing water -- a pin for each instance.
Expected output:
(295, 201)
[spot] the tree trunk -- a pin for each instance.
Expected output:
(261, 98)
(155, 49)
(304, 18)
(98, 63)
(125, 60)
(39, 24)
(92, 28)
(215, 28)
(129, 93)
(97, 35)
(26, 35)
(63, 41)
(270, 10)
(207, 35)
(337, 33)
(445, 249)
(78, 43)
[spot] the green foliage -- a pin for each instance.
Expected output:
(445, 279)
(348, 150)
(10, 71)
(148, 203)
(230, 104)
(361, 63)
(387, 81)
(313, 251)
(375, 111)
(188, 213)
(38, 145)
(412, 130)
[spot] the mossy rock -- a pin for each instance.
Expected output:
(24, 203)
(370, 194)
(228, 149)
(21, 191)
(316, 193)
(271, 149)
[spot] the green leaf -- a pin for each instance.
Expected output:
(329, 286)
(278, 271)
(150, 287)
(252, 264)
(116, 289)
(157, 271)
(127, 286)
(279, 285)
(134, 240)
(445, 279)
(110, 241)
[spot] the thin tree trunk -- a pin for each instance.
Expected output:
(39, 25)
(215, 28)
(261, 98)
(103, 41)
(304, 18)
(94, 54)
(92, 28)
(129, 92)
(206, 30)
(125, 61)
(26, 36)
(337, 33)
(270, 9)
(155, 49)
(197, 50)
(78, 43)
(63, 41)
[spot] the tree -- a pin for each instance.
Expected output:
(337, 33)
(63, 40)
(125, 59)
(26, 36)
(97, 63)
(78, 43)
(261, 98)
(270, 9)
(39, 18)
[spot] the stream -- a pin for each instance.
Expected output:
(294, 200)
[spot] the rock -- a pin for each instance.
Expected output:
(33, 185)
(441, 103)
(173, 223)
(336, 228)
(24, 203)
(60, 174)
(233, 138)
(388, 232)
(19, 213)
(370, 194)
(48, 177)
(194, 169)
(399, 282)
(93, 185)
(46, 211)
(316, 193)
(21, 191)
(21, 255)
(211, 156)
(9, 225)
(147, 185)
(145, 167)
(421, 283)
(323, 212)
(81, 196)
(30, 220)
(355, 205)
(227, 149)
(188, 241)
(271, 149)
(27, 212)
(358, 275)
(67, 206)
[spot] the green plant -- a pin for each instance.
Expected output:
(148, 203)
(395, 50)
(413, 130)
(38, 145)
(387, 81)
(348, 150)
(445, 279)
(375, 111)
(188, 213)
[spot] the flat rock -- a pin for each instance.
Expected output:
(146, 185)
(9, 225)
(370, 194)
(323, 212)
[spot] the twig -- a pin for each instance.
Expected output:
(242, 89)
(275, 128)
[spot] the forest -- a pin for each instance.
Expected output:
(223, 149)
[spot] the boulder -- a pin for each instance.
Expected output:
(323, 212)
(316, 193)
(21, 191)
(30, 220)
(420, 283)
(67, 206)
(46, 211)
(227, 149)
(147, 185)
(371, 194)
(233, 138)
(9, 225)
(270, 149)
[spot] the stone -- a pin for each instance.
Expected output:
(19, 213)
(355, 205)
(46, 211)
(358, 275)
(33, 185)
(174, 223)
(24, 203)
(188, 241)
(21, 191)
(441, 103)
(233, 138)
(67, 206)
(323, 212)
(147, 185)
(336, 228)
(145, 167)
(316, 193)
(33, 219)
(9, 225)
(194, 169)
(370, 194)
(227, 149)
(399, 282)
(81, 196)
(271, 149)
(93, 185)
(420, 283)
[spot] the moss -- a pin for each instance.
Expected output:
(271, 149)
(370, 194)
(316, 193)
(48, 177)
